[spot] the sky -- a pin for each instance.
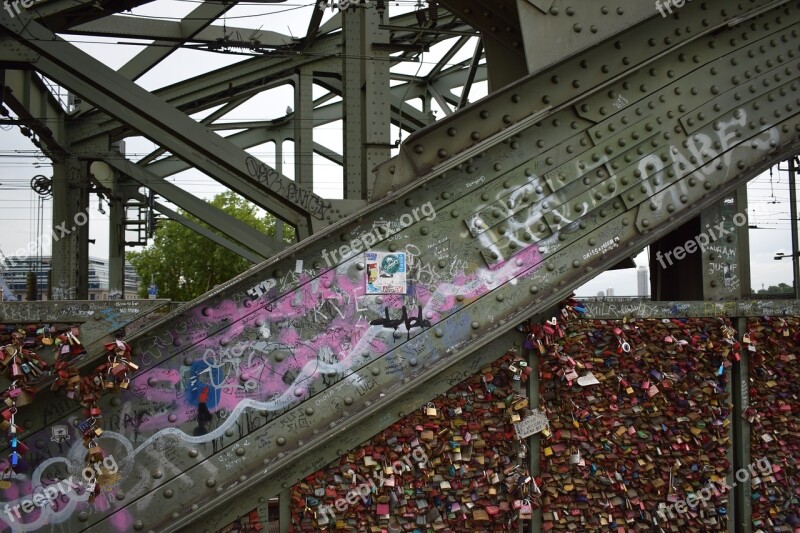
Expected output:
(24, 215)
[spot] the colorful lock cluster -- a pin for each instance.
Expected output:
(639, 416)
(473, 478)
(22, 366)
(774, 417)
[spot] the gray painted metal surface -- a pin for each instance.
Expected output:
(635, 308)
(501, 209)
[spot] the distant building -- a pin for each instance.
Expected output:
(643, 282)
(600, 294)
(609, 292)
(17, 268)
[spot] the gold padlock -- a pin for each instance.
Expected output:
(24, 398)
(430, 410)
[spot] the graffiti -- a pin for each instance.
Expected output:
(268, 176)
(222, 371)
(410, 322)
(637, 309)
(620, 102)
(261, 289)
(478, 181)
(603, 248)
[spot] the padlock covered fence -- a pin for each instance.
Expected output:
(773, 416)
(642, 425)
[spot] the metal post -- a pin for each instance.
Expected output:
(304, 129)
(279, 169)
(534, 442)
(31, 292)
(719, 271)
(793, 216)
(741, 518)
(116, 242)
(70, 233)
(285, 510)
(743, 243)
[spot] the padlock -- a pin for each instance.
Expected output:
(24, 398)
(118, 369)
(95, 454)
(47, 339)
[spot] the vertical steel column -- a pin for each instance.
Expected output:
(741, 520)
(376, 114)
(721, 259)
(70, 233)
(116, 241)
(285, 510)
(279, 170)
(534, 443)
(793, 216)
(353, 102)
(365, 74)
(724, 278)
(304, 128)
(743, 240)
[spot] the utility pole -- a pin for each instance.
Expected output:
(793, 215)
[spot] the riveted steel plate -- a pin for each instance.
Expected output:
(295, 353)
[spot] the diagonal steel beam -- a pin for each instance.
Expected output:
(262, 244)
(473, 69)
(327, 153)
(313, 25)
(244, 139)
(167, 126)
(158, 152)
(202, 230)
(440, 99)
(447, 57)
(59, 15)
(200, 17)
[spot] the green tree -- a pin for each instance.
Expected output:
(781, 288)
(184, 264)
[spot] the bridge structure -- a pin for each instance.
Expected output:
(444, 266)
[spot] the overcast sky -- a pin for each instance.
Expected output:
(23, 215)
